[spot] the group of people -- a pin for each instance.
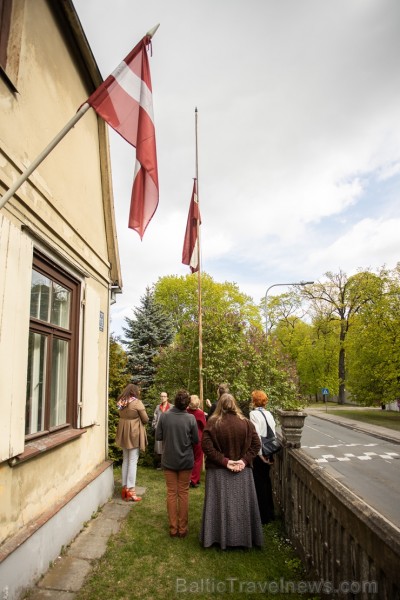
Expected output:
(238, 492)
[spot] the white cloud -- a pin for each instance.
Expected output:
(299, 138)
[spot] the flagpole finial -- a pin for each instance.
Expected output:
(151, 32)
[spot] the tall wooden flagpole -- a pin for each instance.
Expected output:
(199, 273)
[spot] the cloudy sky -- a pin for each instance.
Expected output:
(298, 136)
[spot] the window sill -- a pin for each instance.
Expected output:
(41, 445)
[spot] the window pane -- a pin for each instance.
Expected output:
(35, 393)
(60, 306)
(59, 370)
(40, 296)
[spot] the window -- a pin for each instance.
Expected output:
(51, 395)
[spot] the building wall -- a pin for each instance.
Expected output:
(65, 211)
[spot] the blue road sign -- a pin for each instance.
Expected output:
(325, 392)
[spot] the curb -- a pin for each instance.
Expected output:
(382, 433)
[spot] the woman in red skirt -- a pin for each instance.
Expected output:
(195, 410)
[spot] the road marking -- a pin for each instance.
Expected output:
(316, 447)
(347, 456)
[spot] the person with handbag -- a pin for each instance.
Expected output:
(260, 417)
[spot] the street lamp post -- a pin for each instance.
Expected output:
(266, 296)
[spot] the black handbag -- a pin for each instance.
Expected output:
(269, 445)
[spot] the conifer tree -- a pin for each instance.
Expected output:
(147, 333)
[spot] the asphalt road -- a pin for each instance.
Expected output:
(367, 465)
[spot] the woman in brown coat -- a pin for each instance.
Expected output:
(131, 437)
(230, 513)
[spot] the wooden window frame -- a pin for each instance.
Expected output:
(50, 269)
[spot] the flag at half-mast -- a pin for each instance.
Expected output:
(190, 253)
(124, 100)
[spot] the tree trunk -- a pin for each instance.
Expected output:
(342, 364)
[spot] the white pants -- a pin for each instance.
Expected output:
(129, 466)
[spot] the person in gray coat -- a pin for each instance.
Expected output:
(177, 429)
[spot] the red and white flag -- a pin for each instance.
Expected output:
(124, 100)
(190, 253)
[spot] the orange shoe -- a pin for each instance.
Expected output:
(130, 496)
(123, 492)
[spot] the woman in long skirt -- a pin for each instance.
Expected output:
(230, 514)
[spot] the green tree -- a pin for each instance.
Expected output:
(341, 298)
(373, 345)
(314, 348)
(117, 380)
(235, 349)
(146, 334)
(227, 315)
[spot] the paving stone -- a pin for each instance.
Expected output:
(116, 509)
(66, 575)
(103, 527)
(89, 548)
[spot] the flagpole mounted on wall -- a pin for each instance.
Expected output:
(146, 176)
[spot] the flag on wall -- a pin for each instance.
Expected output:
(124, 100)
(190, 253)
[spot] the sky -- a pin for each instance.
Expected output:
(298, 137)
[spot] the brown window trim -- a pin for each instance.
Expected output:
(49, 268)
(44, 444)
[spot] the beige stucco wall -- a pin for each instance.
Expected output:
(63, 211)
(50, 91)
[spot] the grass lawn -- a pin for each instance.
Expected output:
(384, 418)
(142, 561)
